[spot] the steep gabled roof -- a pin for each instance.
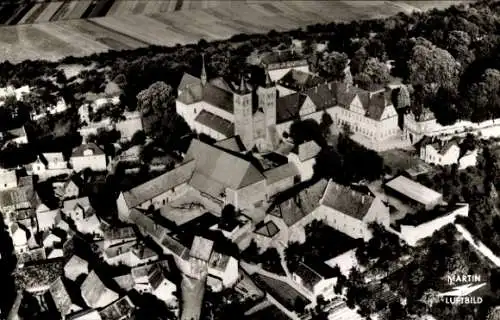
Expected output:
(288, 107)
(323, 95)
(297, 202)
(188, 80)
(213, 165)
(218, 97)
(215, 123)
(346, 200)
(159, 185)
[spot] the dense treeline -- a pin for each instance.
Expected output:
(448, 56)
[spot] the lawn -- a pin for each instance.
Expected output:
(281, 291)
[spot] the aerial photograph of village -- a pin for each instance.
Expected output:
(249, 160)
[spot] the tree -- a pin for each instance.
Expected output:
(155, 99)
(331, 65)
(432, 66)
(228, 216)
(403, 98)
(374, 74)
(483, 99)
(139, 138)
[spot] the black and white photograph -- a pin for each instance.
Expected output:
(249, 160)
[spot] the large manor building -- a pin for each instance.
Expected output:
(261, 116)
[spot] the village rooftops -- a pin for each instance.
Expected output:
(201, 248)
(346, 200)
(414, 191)
(159, 185)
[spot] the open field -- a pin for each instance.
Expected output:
(211, 20)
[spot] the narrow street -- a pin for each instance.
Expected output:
(478, 245)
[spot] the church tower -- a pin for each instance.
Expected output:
(243, 114)
(267, 102)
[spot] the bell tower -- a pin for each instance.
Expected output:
(267, 101)
(243, 114)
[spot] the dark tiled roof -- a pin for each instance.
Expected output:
(323, 95)
(216, 123)
(218, 97)
(376, 106)
(119, 233)
(301, 80)
(156, 276)
(298, 202)
(309, 277)
(288, 107)
(78, 151)
(270, 229)
(213, 165)
(159, 185)
(347, 200)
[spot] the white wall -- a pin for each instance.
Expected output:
(94, 162)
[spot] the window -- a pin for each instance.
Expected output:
(163, 201)
(194, 110)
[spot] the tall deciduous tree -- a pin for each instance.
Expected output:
(375, 73)
(331, 65)
(155, 99)
(483, 99)
(430, 65)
